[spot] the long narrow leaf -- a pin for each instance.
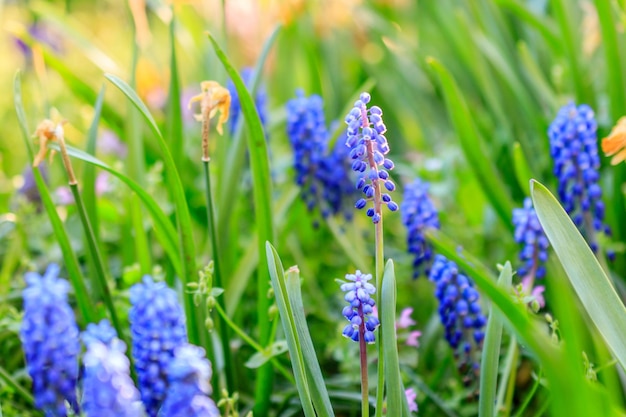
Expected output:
(262, 191)
(287, 319)
(585, 273)
(491, 352)
(175, 187)
(473, 145)
(319, 394)
(87, 309)
(395, 391)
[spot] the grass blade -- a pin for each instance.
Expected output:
(175, 187)
(87, 308)
(491, 353)
(585, 273)
(277, 276)
(395, 390)
(262, 190)
(165, 232)
(473, 145)
(319, 394)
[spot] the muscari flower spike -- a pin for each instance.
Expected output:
(322, 174)
(418, 214)
(530, 234)
(49, 337)
(365, 138)
(459, 310)
(188, 375)
(360, 308)
(157, 324)
(108, 390)
(260, 100)
(574, 148)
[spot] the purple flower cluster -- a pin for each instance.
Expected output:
(360, 308)
(260, 100)
(530, 234)
(157, 324)
(459, 309)
(574, 148)
(49, 337)
(368, 147)
(322, 174)
(108, 389)
(418, 214)
(188, 375)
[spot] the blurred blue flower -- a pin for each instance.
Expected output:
(360, 308)
(529, 234)
(49, 337)
(108, 390)
(188, 375)
(574, 148)
(102, 332)
(260, 100)
(334, 176)
(459, 310)
(157, 324)
(418, 214)
(368, 147)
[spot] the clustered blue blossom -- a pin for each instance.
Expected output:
(360, 308)
(530, 234)
(49, 337)
(157, 324)
(322, 173)
(368, 147)
(108, 390)
(188, 374)
(260, 100)
(574, 148)
(459, 309)
(418, 214)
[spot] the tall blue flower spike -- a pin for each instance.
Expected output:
(102, 332)
(418, 214)
(157, 324)
(260, 100)
(50, 340)
(188, 374)
(368, 147)
(574, 148)
(530, 234)
(360, 308)
(459, 310)
(108, 390)
(323, 174)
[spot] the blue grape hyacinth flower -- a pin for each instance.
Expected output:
(530, 235)
(102, 332)
(361, 306)
(188, 374)
(260, 100)
(418, 214)
(108, 390)
(574, 149)
(459, 310)
(50, 340)
(157, 324)
(368, 147)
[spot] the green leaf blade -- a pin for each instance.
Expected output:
(585, 273)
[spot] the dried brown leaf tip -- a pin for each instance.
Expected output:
(615, 144)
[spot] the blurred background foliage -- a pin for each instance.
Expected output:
(516, 62)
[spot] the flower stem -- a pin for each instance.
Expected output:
(365, 404)
(217, 276)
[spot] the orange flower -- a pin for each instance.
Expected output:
(615, 144)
